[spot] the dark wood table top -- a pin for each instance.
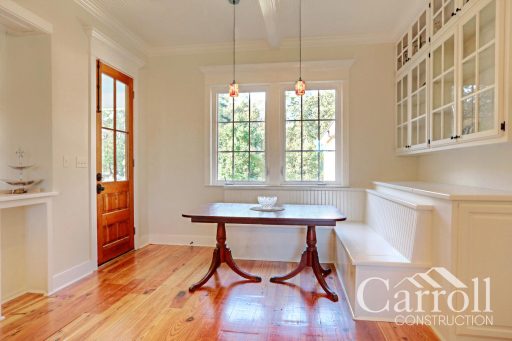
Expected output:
(230, 213)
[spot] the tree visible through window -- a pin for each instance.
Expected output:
(241, 137)
(310, 136)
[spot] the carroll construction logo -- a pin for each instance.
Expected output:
(435, 297)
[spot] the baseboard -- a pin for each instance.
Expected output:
(182, 239)
(249, 243)
(72, 275)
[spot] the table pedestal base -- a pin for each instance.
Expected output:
(222, 254)
(310, 258)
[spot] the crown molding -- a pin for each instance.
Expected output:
(109, 20)
(96, 34)
(19, 20)
(260, 45)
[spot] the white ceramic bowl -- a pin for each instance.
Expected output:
(267, 202)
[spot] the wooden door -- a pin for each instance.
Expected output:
(114, 163)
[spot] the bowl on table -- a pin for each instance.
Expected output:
(267, 202)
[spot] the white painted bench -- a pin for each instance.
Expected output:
(393, 242)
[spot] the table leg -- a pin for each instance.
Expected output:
(222, 254)
(310, 258)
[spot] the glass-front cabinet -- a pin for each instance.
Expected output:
(479, 66)
(452, 93)
(402, 52)
(442, 85)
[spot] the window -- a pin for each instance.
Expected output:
(241, 137)
(263, 137)
(310, 154)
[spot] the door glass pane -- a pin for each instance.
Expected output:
(448, 88)
(225, 166)
(438, 61)
(292, 106)
(399, 137)
(257, 167)
(414, 104)
(468, 77)
(241, 138)
(449, 54)
(469, 37)
(414, 80)
(241, 170)
(398, 91)
(107, 101)
(486, 110)
(486, 65)
(414, 133)
(436, 100)
(487, 24)
(225, 108)
(468, 116)
(437, 4)
(121, 156)
(327, 104)
(293, 166)
(121, 100)
(107, 155)
(327, 135)
(257, 136)
(404, 135)
(436, 126)
(438, 22)
(293, 135)
(310, 135)
(422, 78)
(422, 104)
(225, 137)
(448, 123)
(405, 115)
(399, 114)
(422, 132)
(448, 10)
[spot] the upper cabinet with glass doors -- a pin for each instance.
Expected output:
(481, 67)
(466, 67)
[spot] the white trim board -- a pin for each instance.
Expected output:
(72, 275)
(19, 20)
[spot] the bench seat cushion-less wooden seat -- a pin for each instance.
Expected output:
(364, 246)
(392, 243)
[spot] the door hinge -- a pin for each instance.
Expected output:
(504, 125)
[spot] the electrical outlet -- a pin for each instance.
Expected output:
(65, 161)
(81, 162)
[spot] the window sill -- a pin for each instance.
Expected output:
(292, 187)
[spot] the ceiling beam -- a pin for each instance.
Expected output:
(269, 11)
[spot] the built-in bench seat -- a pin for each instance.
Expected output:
(392, 243)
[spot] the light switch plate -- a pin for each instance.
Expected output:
(82, 162)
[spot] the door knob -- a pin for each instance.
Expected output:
(99, 188)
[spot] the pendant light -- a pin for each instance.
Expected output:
(233, 87)
(300, 86)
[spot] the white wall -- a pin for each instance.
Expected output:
(176, 129)
(25, 114)
(486, 166)
(70, 72)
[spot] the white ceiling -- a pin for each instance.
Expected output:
(173, 23)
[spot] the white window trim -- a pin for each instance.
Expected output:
(214, 91)
(275, 77)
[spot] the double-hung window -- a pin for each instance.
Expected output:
(271, 136)
(240, 138)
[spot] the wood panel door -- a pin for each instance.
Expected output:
(114, 163)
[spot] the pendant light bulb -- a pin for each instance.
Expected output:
(233, 89)
(300, 87)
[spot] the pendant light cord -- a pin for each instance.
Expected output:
(234, 41)
(300, 39)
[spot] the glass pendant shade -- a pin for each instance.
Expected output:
(233, 89)
(300, 87)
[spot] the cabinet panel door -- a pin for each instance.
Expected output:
(485, 236)
(419, 104)
(442, 97)
(402, 113)
(480, 50)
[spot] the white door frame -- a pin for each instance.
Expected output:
(109, 52)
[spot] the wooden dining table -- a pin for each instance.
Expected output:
(292, 215)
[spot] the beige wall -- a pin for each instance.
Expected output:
(176, 127)
(70, 66)
(486, 166)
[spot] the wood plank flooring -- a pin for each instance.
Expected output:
(143, 295)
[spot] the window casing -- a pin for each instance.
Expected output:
(329, 126)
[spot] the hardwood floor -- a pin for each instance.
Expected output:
(143, 295)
